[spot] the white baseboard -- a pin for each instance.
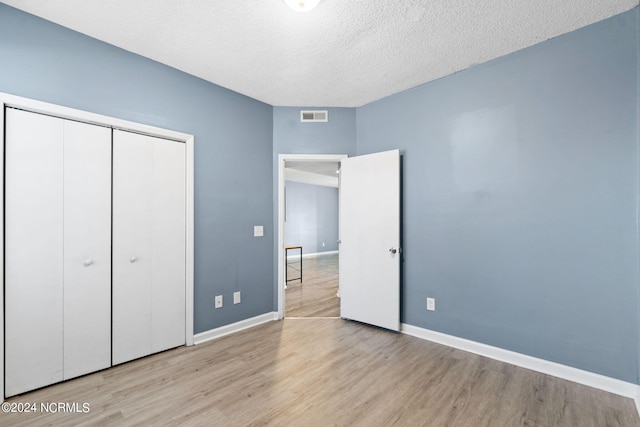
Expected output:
(212, 334)
(569, 373)
(313, 255)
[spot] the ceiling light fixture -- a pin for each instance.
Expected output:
(302, 5)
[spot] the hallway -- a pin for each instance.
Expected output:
(316, 296)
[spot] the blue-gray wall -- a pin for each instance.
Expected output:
(311, 217)
(520, 198)
(290, 136)
(233, 168)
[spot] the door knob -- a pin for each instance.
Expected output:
(133, 259)
(87, 262)
(393, 250)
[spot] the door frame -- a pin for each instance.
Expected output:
(8, 100)
(282, 159)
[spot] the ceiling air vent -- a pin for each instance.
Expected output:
(314, 116)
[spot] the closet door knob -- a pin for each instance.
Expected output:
(133, 259)
(87, 262)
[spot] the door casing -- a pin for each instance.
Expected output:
(282, 159)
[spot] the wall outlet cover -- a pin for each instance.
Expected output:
(258, 231)
(236, 297)
(218, 301)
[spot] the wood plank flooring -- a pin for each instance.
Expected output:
(324, 372)
(316, 295)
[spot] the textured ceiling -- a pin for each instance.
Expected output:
(343, 53)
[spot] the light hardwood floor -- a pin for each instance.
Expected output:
(325, 372)
(316, 295)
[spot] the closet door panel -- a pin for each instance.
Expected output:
(34, 251)
(168, 225)
(132, 263)
(87, 248)
(148, 224)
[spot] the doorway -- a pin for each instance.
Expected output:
(312, 295)
(311, 230)
(370, 251)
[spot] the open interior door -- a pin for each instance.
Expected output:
(370, 253)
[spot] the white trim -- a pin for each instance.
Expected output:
(232, 328)
(190, 241)
(569, 373)
(2, 134)
(8, 100)
(282, 158)
(313, 255)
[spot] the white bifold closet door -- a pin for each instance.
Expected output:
(58, 252)
(148, 245)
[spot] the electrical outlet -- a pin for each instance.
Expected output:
(236, 297)
(431, 304)
(218, 301)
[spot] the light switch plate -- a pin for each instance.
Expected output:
(218, 301)
(258, 230)
(236, 297)
(431, 304)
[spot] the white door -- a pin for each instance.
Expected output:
(33, 251)
(58, 250)
(132, 210)
(87, 248)
(169, 245)
(369, 257)
(148, 245)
